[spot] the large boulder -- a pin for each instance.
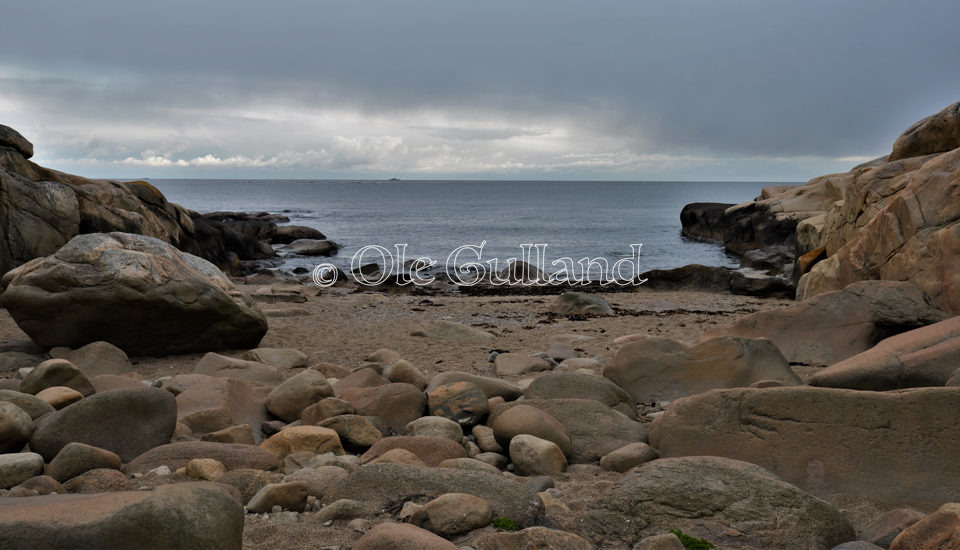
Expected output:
(397, 404)
(899, 446)
(572, 385)
(656, 369)
(15, 427)
(138, 293)
(704, 220)
(296, 393)
(233, 456)
(218, 403)
(184, 516)
(731, 504)
(937, 133)
(927, 356)
(836, 325)
(127, 422)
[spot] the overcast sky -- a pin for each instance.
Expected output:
(773, 90)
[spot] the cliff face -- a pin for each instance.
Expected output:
(42, 209)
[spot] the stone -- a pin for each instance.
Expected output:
(559, 351)
(100, 480)
(492, 387)
(303, 438)
(205, 469)
(311, 247)
(857, 545)
(127, 422)
(668, 541)
(531, 455)
(453, 514)
(285, 234)
(468, 464)
(360, 378)
(295, 461)
(398, 456)
(594, 428)
(356, 432)
(213, 364)
(448, 330)
(324, 409)
(177, 455)
(486, 440)
(248, 481)
(38, 485)
(171, 517)
(59, 397)
(745, 282)
(579, 303)
(215, 404)
(281, 358)
(287, 495)
(836, 325)
(331, 370)
(396, 404)
(569, 385)
(431, 450)
(939, 530)
(653, 370)
(730, 503)
(318, 480)
(923, 357)
(883, 529)
(628, 456)
(136, 292)
(524, 419)
(56, 372)
(935, 134)
(403, 371)
(381, 484)
(349, 463)
(436, 426)
(703, 220)
(497, 460)
(296, 393)
(32, 405)
(401, 536)
(464, 403)
(532, 538)
(107, 382)
(817, 438)
(15, 468)
(100, 358)
(241, 433)
(515, 364)
(77, 458)
(383, 356)
(12, 139)
(12, 361)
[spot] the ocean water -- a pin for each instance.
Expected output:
(434, 218)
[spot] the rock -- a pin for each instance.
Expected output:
(177, 455)
(745, 282)
(183, 516)
(436, 426)
(396, 404)
(12, 139)
(15, 468)
(297, 393)
(939, 530)
(882, 530)
(127, 422)
(817, 437)
(594, 428)
(628, 456)
(857, 545)
(492, 387)
(447, 330)
(403, 371)
(486, 440)
(135, 292)
(398, 456)
(531, 455)
(356, 432)
(452, 514)
(331, 370)
(56, 372)
(468, 464)
(532, 538)
(401, 536)
(324, 409)
(32, 405)
(100, 480)
(431, 450)
(524, 419)
(205, 469)
(12, 361)
(360, 378)
(728, 502)
(295, 461)
(282, 358)
(381, 484)
(287, 495)
(242, 433)
(935, 134)
(77, 458)
(704, 220)
(464, 403)
(836, 325)
(578, 303)
(668, 541)
(772, 260)
(107, 382)
(100, 358)
(215, 404)
(38, 485)
(248, 481)
(311, 247)
(568, 385)
(59, 397)
(515, 364)
(303, 438)
(923, 357)
(318, 480)
(654, 370)
(220, 366)
(559, 351)
(285, 234)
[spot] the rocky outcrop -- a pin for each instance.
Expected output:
(704, 220)
(935, 134)
(744, 282)
(138, 293)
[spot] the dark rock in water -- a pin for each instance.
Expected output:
(222, 216)
(12, 138)
(312, 247)
(754, 225)
(136, 292)
(719, 279)
(285, 234)
(937, 133)
(704, 220)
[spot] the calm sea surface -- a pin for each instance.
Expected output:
(574, 219)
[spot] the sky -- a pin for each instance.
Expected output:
(705, 90)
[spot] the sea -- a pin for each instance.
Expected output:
(481, 221)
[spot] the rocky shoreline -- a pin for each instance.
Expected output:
(149, 400)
